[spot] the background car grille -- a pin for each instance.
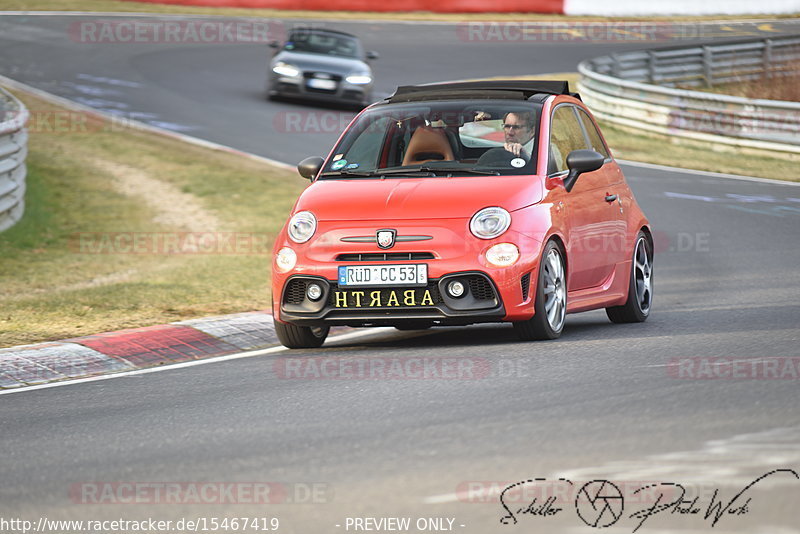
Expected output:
(335, 77)
(385, 256)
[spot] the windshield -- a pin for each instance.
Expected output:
(439, 138)
(315, 42)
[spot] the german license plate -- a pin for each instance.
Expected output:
(383, 275)
(316, 83)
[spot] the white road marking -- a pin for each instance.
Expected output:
(705, 173)
(239, 355)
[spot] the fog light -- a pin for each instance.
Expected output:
(455, 289)
(502, 255)
(314, 292)
(285, 260)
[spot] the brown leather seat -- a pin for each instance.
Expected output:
(428, 144)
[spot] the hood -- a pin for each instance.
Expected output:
(319, 62)
(417, 198)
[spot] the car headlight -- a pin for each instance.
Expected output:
(285, 69)
(285, 260)
(489, 223)
(503, 255)
(302, 226)
(359, 79)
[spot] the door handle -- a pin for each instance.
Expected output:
(611, 198)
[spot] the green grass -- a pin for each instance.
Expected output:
(50, 289)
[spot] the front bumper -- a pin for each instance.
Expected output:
(381, 306)
(297, 87)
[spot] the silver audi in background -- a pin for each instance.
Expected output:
(319, 64)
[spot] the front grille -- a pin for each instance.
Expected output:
(480, 288)
(525, 282)
(385, 256)
(366, 295)
(335, 77)
(295, 292)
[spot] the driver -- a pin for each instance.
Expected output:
(518, 131)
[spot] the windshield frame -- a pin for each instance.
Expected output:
(406, 117)
(358, 53)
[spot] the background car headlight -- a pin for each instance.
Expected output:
(286, 259)
(502, 255)
(489, 223)
(285, 69)
(302, 226)
(359, 79)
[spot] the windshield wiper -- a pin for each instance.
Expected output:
(428, 170)
(361, 174)
(457, 170)
(376, 174)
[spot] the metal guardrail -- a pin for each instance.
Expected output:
(638, 90)
(13, 149)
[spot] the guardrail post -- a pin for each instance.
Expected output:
(651, 66)
(616, 66)
(767, 63)
(708, 66)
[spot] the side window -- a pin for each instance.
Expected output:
(566, 135)
(594, 135)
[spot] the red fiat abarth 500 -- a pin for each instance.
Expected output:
(460, 203)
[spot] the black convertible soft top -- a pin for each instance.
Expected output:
(514, 89)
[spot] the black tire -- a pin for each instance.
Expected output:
(551, 276)
(301, 337)
(640, 287)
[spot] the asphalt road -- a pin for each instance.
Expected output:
(601, 402)
(216, 91)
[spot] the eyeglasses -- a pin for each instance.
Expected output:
(513, 126)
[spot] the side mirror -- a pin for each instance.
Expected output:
(274, 44)
(579, 162)
(372, 55)
(309, 167)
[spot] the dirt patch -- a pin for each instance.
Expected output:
(173, 207)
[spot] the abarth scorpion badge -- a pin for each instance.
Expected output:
(386, 238)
